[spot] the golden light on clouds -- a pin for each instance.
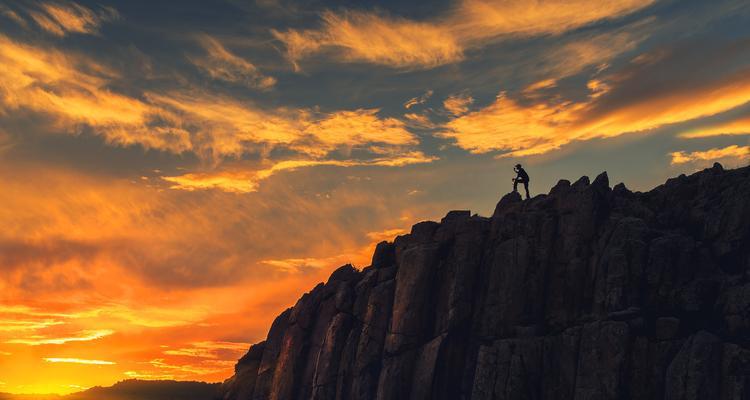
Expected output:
(77, 361)
(12, 15)
(63, 17)
(735, 154)
(206, 349)
(414, 101)
(458, 104)
(681, 104)
(96, 275)
(213, 127)
(168, 189)
(373, 38)
(249, 181)
(358, 36)
(481, 20)
(50, 81)
(508, 125)
(220, 63)
(85, 336)
(739, 126)
(540, 126)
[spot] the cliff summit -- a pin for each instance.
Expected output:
(588, 292)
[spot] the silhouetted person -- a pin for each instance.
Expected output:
(521, 177)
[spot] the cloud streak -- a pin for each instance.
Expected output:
(63, 18)
(247, 182)
(620, 103)
(740, 126)
(735, 153)
(219, 63)
(77, 361)
(85, 336)
(377, 38)
(214, 127)
(356, 36)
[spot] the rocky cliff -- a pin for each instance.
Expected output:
(589, 292)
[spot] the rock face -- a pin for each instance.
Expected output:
(585, 293)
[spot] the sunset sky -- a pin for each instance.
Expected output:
(175, 174)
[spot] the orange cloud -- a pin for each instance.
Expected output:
(10, 325)
(359, 127)
(677, 105)
(208, 349)
(169, 268)
(507, 125)
(249, 181)
(572, 57)
(85, 336)
(418, 100)
(221, 64)
(356, 36)
(522, 128)
(78, 361)
(11, 14)
(230, 128)
(739, 126)
(540, 85)
(358, 257)
(387, 234)
(419, 121)
(458, 104)
(734, 153)
(74, 91)
(366, 37)
(63, 18)
(476, 21)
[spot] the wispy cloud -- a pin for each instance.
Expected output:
(248, 181)
(359, 36)
(15, 325)
(739, 126)
(522, 126)
(510, 126)
(219, 63)
(421, 99)
(458, 104)
(478, 21)
(85, 336)
(356, 36)
(211, 126)
(13, 15)
(78, 361)
(211, 350)
(734, 153)
(62, 18)
(420, 121)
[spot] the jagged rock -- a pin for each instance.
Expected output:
(242, 384)
(271, 351)
(585, 293)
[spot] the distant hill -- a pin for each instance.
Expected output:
(134, 389)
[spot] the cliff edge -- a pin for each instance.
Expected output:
(589, 292)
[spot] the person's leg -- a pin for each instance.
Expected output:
(526, 186)
(515, 185)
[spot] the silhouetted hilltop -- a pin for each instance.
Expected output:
(134, 389)
(589, 292)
